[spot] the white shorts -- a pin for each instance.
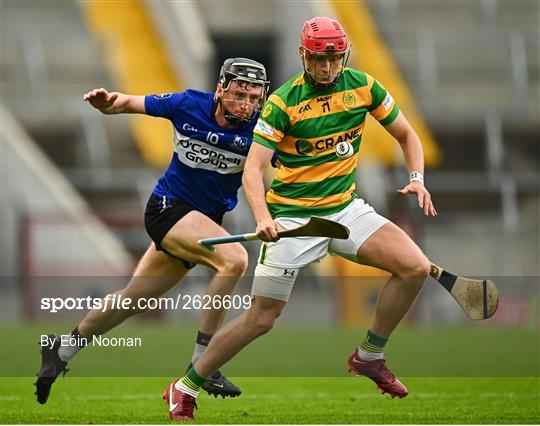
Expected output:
(359, 217)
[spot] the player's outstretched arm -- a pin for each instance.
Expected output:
(115, 102)
(258, 159)
(411, 146)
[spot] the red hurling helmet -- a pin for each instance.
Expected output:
(324, 37)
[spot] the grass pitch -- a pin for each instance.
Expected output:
(282, 393)
(289, 400)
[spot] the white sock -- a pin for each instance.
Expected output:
(369, 356)
(69, 348)
(183, 388)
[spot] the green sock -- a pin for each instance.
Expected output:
(192, 380)
(373, 343)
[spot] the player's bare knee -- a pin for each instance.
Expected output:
(235, 263)
(422, 270)
(265, 322)
(417, 272)
(263, 314)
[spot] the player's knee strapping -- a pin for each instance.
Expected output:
(273, 282)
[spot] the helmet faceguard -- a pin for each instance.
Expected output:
(324, 40)
(246, 73)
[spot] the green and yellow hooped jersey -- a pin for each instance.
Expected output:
(303, 125)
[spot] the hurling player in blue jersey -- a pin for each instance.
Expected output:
(212, 136)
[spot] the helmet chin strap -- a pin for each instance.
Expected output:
(231, 118)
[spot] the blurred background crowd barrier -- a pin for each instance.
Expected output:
(75, 182)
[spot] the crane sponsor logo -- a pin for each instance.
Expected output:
(304, 147)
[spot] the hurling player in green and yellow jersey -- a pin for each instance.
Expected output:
(315, 123)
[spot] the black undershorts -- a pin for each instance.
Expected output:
(161, 215)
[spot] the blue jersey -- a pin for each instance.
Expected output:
(208, 160)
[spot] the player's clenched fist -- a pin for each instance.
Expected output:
(101, 99)
(267, 230)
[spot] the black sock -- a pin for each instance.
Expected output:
(201, 343)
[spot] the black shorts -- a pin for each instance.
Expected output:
(161, 215)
